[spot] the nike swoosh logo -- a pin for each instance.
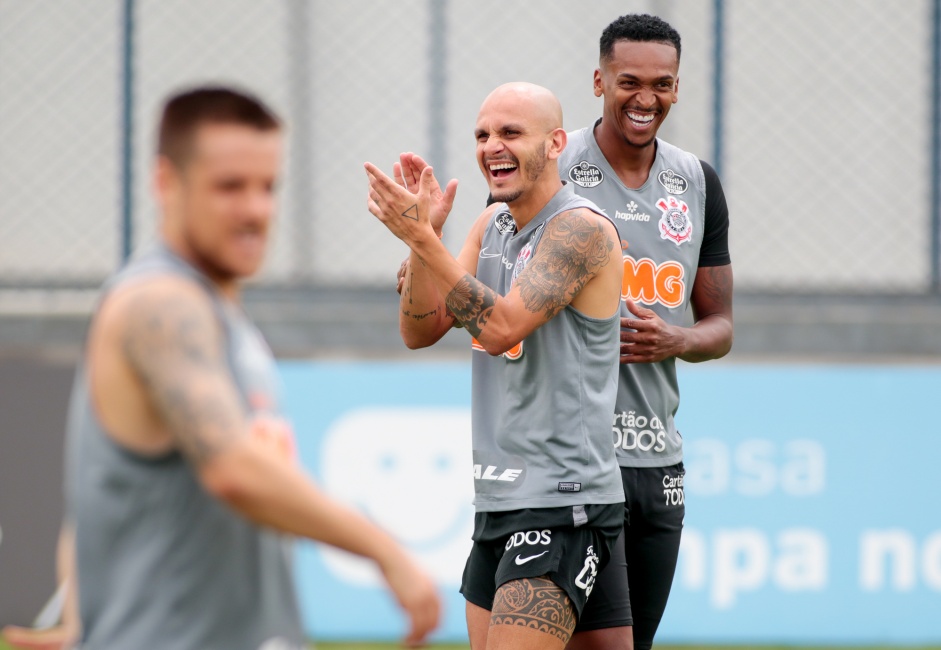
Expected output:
(524, 560)
(485, 254)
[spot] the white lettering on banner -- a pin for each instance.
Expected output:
(742, 560)
(745, 559)
(802, 560)
(931, 562)
(755, 467)
(890, 559)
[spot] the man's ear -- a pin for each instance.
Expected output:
(597, 82)
(557, 141)
(166, 180)
(163, 172)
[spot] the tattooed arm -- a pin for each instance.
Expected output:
(424, 317)
(172, 342)
(711, 335)
(577, 262)
(169, 337)
(420, 210)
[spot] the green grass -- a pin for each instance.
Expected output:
(323, 645)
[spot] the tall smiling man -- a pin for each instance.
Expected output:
(537, 286)
(673, 223)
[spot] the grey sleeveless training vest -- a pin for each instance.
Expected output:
(662, 223)
(541, 411)
(161, 563)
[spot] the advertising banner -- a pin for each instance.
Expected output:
(812, 510)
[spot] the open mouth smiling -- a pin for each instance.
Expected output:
(501, 169)
(640, 119)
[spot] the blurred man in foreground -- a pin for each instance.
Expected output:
(181, 478)
(537, 286)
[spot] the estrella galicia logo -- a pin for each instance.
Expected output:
(584, 174)
(673, 182)
(505, 223)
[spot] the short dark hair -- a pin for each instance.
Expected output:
(185, 112)
(638, 27)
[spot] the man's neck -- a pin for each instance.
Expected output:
(227, 287)
(631, 164)
(525, 208)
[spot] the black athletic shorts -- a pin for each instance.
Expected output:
(644, 556)
(569, 545)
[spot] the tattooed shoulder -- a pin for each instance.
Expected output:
(172, 341)
(574, 248)
(169, 320)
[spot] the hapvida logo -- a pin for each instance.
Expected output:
(632, 214)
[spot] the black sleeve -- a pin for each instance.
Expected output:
(715, 239)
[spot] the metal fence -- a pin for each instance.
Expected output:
(822, 117)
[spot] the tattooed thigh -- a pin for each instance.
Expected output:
(536, 603)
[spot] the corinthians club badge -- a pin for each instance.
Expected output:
(675, 223)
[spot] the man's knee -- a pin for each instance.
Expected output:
(606, 638)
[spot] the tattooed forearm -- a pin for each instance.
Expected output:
(174, 347)
(572, 251)
(471, 302)
(408, 314)
(537, 603)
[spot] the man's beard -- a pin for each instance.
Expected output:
(535, 165)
